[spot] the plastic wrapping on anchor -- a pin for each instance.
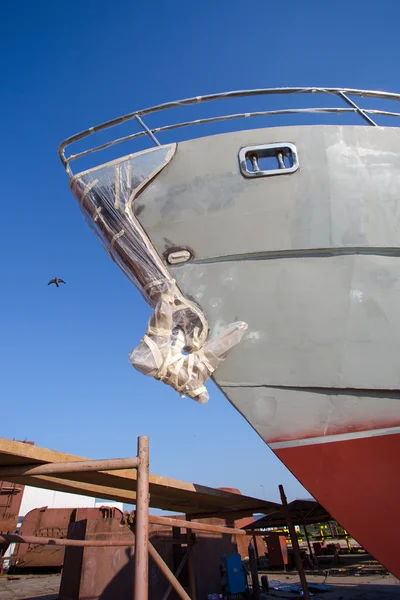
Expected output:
(175, 348)
(106, 196)
(162, 351)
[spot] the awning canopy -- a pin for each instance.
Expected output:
(302, 512)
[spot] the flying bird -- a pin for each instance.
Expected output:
(56, 280)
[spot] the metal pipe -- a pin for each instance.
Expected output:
(284, 111)
(167, 572)
(229, 117)
(141, 584)
(14, 538)
(295, 544)
(156, 520)
(80, 466)
(220, 96)
(147, 130)
(360, 111)
(281, 161)
(178, 572)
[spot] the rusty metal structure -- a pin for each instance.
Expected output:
(10, 503)
(114, 478)
(51, 522)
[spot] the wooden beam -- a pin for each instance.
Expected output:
(165, 493)
(231, 514)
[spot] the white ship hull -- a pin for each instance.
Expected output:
(310, 260)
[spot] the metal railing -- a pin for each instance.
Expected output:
(342, 93)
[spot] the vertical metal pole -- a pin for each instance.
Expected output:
(191, 567)
(141, 586)
(295, 544)
(254, 572)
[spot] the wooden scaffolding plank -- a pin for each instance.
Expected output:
(165, 493)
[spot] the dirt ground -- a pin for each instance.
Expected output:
(27, 587)
(354, 587)
(366, 587)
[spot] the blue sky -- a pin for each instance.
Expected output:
(66, 382)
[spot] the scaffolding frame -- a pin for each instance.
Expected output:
(138, 520)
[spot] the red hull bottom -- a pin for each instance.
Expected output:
(358, 482)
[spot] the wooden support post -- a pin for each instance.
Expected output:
(191, 567)
(167, 572)
(254, 572)
(178, 572)
(141, 584)
(295, 544)
(256, 550)
(312, 558)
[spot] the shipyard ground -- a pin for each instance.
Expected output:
(27, 587)
(364, 587)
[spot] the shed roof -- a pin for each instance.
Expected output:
(302, 511)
